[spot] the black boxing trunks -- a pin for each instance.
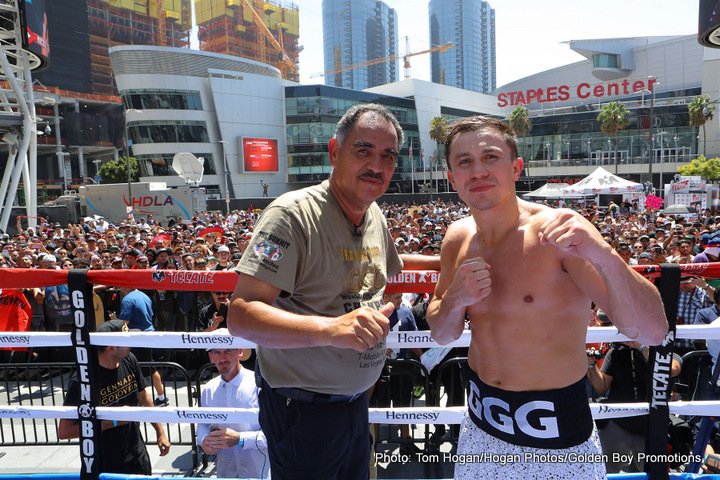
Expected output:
(548, 419)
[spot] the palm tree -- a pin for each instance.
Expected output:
(613, 118)
(520, 123)
(520, 120)
(701, 111)
(438, 131)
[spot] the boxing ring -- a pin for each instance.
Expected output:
(89, 414)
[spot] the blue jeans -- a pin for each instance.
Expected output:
(315, 441)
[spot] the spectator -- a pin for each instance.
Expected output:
(136, 309)
(123, 446)
(241, 449)
(693, 297)
(623, 377)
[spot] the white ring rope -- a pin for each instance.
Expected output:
(413, 339)
(407, 415)
(398, 416)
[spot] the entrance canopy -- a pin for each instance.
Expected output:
(602, 182)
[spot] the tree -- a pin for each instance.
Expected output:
(708, 168)
(520, 120)
(701, 111)
(613, 118)
(520, 123)
(115, 171)
(438, 131)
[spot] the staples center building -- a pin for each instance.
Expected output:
(253, 128)
(654, 77)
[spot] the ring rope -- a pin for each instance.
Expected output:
(397, 416)
(188, 340)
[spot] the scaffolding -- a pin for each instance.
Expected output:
(231, 27)
(165, 23)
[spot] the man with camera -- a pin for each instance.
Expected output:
(212, 316)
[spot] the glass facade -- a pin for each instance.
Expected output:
(470, 26)
(355, 32)
(161, 164)
(574, 138)
(162, 99)
(168, 131)
(312, 114)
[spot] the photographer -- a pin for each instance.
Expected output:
(212, 316)
(623, 378)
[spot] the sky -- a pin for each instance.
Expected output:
(529, 34)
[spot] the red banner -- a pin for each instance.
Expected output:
(417, 281)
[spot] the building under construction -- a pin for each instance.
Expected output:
(259, 30)
(133, 22)
(81, 31)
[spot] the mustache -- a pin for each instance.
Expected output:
(372, 175)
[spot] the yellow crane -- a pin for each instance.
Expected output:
(389, 58)
(286, 63)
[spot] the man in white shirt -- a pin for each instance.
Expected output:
(241, 449)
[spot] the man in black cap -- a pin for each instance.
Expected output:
(120, 383)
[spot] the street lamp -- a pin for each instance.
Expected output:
(225, 175)
(589, 153)
(661, 135)
(652, 122)
(128, 145)
(567, 144)
(547, 153)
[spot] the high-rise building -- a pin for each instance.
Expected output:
(470, 26)
(254, 29)
(354, 34)
(81, 31)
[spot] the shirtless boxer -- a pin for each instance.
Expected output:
(524, 276)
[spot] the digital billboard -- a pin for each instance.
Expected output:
(260, 154)
(36, 41)
(709, 23)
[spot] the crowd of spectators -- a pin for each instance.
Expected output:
(212, 241)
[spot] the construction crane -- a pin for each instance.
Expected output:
(286, 63)
(389, 58)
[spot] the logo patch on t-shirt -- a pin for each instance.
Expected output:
(269, 250)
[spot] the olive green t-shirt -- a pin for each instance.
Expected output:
(304, 245)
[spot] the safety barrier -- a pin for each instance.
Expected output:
(403, 374)
(27, 385)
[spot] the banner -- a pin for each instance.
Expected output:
(87, 368)
(658, 382)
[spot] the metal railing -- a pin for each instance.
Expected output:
(45, 384)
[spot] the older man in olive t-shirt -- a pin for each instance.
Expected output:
(309, 294)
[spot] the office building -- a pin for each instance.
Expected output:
(469, 25)
(360, 42)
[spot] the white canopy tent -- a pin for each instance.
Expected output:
(602, 182)
(551, 190)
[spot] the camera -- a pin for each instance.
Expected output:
(593, 353)
(223, 310)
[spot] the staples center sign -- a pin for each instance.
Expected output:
(563, 93)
